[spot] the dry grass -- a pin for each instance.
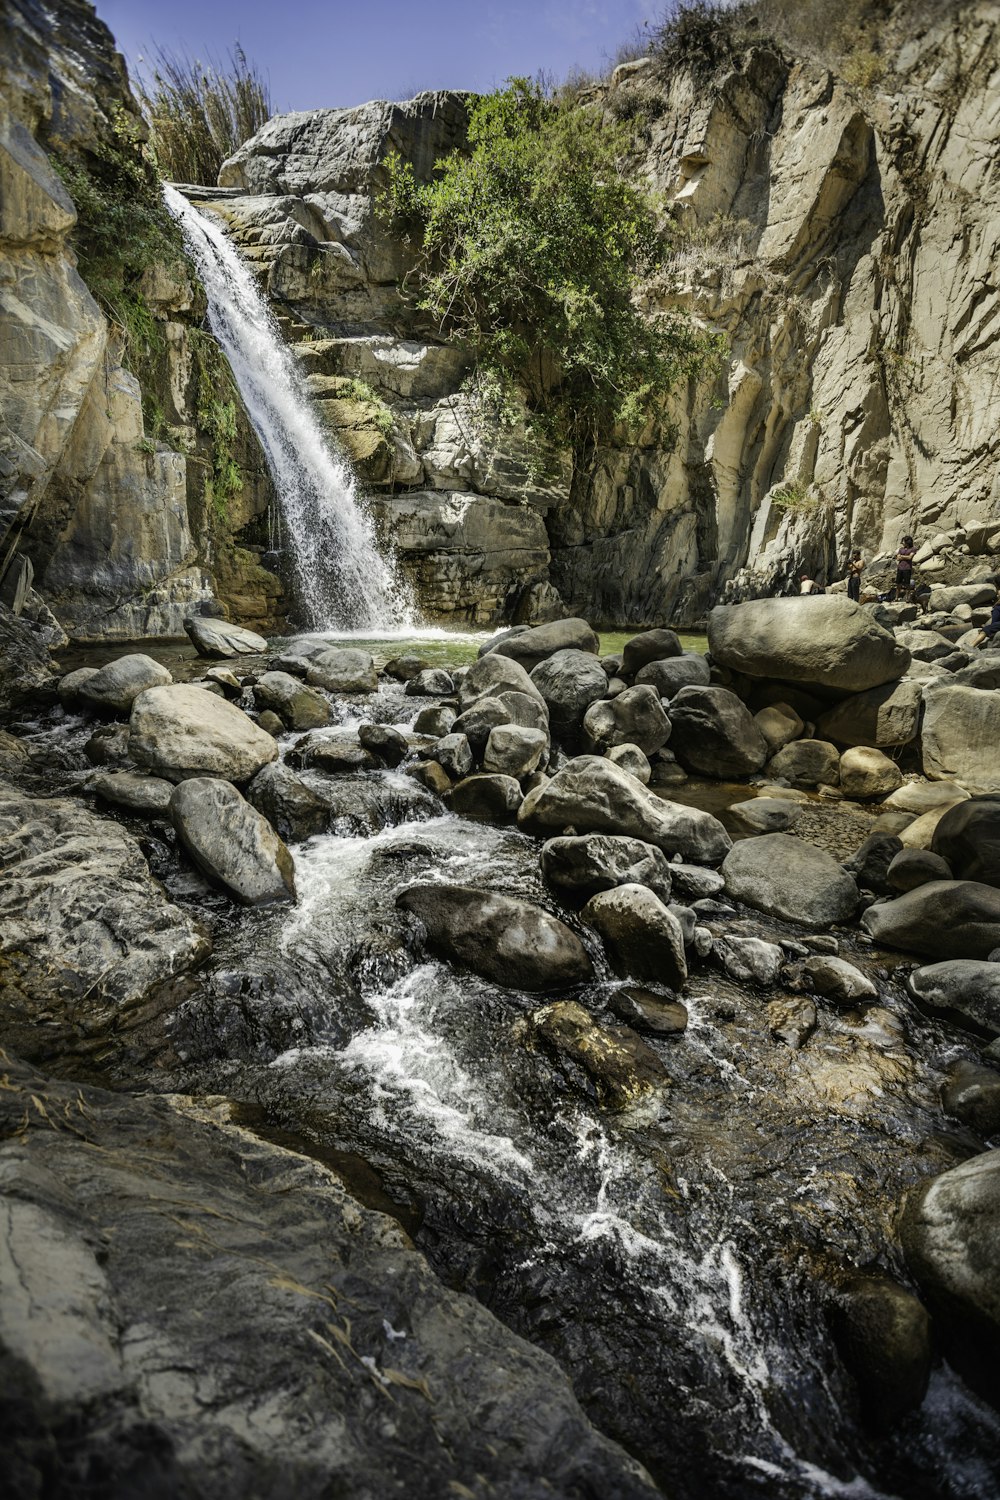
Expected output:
(198, 113)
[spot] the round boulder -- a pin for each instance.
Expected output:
(569, 681)
(232, 842)
(298, 706)
(529, 647)
(633, 717)
(592, 862)
(116, 686)
(179, 731)
(866, 772)
(788, 878)
(964, 989)
(806, 763)
(667, 677)
(651, 645)
(827, 641)
(643, 938)
(912, 867)
(943, 919)
(714, 733)
(968, 837)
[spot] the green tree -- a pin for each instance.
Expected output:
(534, 243)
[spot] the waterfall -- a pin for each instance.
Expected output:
(342, 580)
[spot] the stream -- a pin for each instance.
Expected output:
(675, 1258)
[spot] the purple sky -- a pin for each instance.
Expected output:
(333, 53)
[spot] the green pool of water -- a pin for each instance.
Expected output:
(442, 648)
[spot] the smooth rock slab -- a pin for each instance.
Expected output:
(643, 938)
(829, 642)
(116, 686)
(509, 941)
(231, 842)
(944, 919)
(966, 989)
(590, 795)
(180, 731)
(149, 796)
(618, 1065)
(782, 875)
(221, 639)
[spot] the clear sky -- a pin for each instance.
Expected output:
(334, 53)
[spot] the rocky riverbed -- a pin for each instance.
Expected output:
(553, 1073)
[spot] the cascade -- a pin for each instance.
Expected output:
(342, 580)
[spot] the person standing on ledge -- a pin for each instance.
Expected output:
(904, 569)
(992, 630)
(855, 568)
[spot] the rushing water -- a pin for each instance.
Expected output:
(342, 579)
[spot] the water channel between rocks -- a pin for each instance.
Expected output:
(673, 1257)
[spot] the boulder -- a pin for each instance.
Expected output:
(431, 775)
(949, 1230)
(231, 842)
(87, 935)
(297, 706)
(71, 685)
(590, 795)
(220, 639)
(343, 669)
(178, 731)
(432, 682)
(478, 722)
(829, 641)
(961, 734)
(964, 989)
(968, 837)
(943, 919)
(497, 679)
(669, 676)
(787, 878)
(865, 772)
(762, 815)
(592, 862)
(779, 724)
(920, 833)
(334, 752)
(631, 759)
(792, 1020)
(925, 645)
(149, 796)
(806, 763)
(714, 733)
(633, 717)
(925, 796)
(390, 744)
(983, 672)
(614, 1064)
(869, 865)
(513, 751)
(490, 797)
(270, 723)
(651, 645)
(291, 807)
(695, 883)
(569, 681)
(454, 753)
(116, 686)
(509, 941)
(404, 668)
(529, 647)
(647, 1011)
(948, 599)
(642, 937)
(226, 679)
(883, 1335)
(748, 960)
(971, 1093)
(837, 980)
(912, 867)
(436, 719)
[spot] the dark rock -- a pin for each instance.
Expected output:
(646, 1011)
(298, 706)
(963, 989)
(529, 647)
(509, 941)
(341, 750)
(651, 645)
(887, 715)
(454, 753)
(806, 763)
(788, 878)
(643, 938)
(489, 797)
(792, 1020)
(389, 744)
(108, 746)
(231, 842)
(883, 1335)
(596, 862)
(869, 867)
(610, 1062)
(292, 808)
(432, 682)
(714, 733)
(912, 867)
(436, 719)
(968, 837)
(971, 1093)
(943, 919)
(404, 668)
(666, 678)
(569, 681)
(431, 775)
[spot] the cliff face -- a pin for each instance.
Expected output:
(844, 240)
(118, 520)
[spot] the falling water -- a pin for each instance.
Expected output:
(342, 580)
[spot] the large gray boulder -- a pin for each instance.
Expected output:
(635, 717)
(642, 937)
(231, 842)
(961, 734)
(780, 874)
(297, 706)
(587, 863)
(651, 645)
(968, 837)
(669, 675)
(965, 989)
(883, 716)
(866, 772)
(180, 731)
(590, 795)
(569, 681)
(86, 934)
(502, 938)
(498, 679)
(291, 807)
(219, 639)
(950, 1230)
(116, 686)
(714, 733)
(148, 796)
(827, 641)
(806, 763)
(513, 751)
(944, 919)
(343, 669)
(529, 647)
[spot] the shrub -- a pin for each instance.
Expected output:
(700, 35)
(533, 244)
(200, 114)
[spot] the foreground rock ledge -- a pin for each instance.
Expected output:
(190, 1311)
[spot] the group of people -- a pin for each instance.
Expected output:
(903, 589)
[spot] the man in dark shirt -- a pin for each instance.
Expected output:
(904, 568)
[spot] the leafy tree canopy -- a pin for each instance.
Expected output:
(534, 243)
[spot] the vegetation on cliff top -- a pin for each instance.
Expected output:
(534, 243)
(200, 113)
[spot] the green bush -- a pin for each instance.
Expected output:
(533, 245)
(199, 113)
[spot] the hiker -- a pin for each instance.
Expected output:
(809, 585)
(904, 568)
(992, 630)
(855, 568)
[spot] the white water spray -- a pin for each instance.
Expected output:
(341, 577)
